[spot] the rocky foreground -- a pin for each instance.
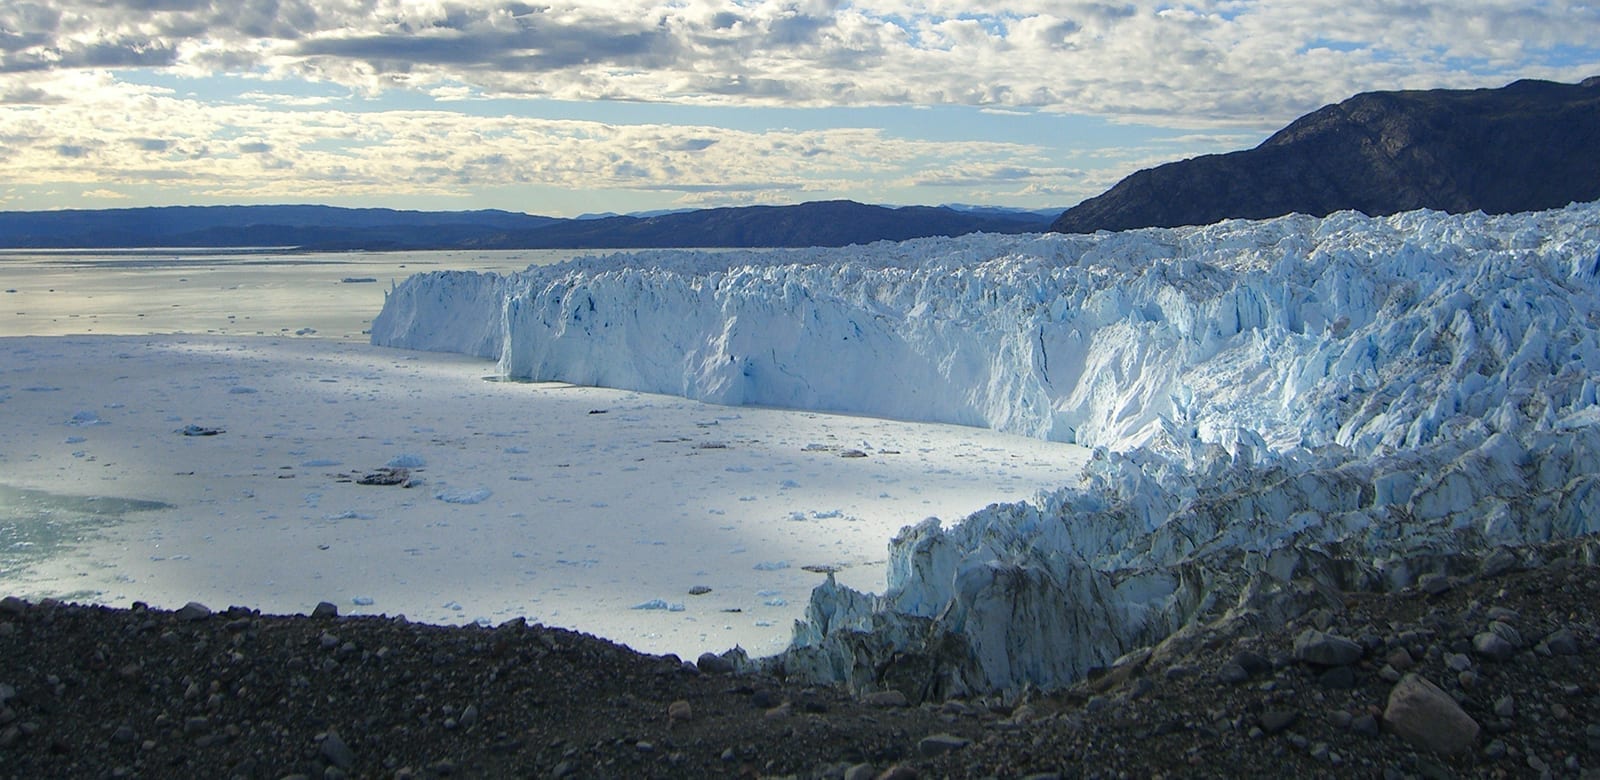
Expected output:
(1490, 674)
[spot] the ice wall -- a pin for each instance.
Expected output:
(1350, 330)
(1282, 407)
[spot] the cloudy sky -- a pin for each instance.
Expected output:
(563, 108)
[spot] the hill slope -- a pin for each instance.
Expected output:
(1529, 146)
(831, 223)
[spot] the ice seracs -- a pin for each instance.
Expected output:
(1345, 401)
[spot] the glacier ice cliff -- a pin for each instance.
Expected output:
(1280, 409)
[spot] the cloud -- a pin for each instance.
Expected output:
(161, 141)
(1195, 63)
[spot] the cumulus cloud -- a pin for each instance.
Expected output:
(1197, 62)
(151, 139)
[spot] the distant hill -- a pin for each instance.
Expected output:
(831, 223)
(1527, 146)
(820, 223)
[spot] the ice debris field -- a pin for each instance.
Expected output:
(1346, 400)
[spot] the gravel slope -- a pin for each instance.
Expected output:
(93, 691)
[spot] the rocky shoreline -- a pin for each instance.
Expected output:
(1486, 675)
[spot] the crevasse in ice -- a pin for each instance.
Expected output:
(1279, 406)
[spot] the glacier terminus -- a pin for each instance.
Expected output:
(1280, 410)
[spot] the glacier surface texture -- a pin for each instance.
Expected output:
(1281, 409)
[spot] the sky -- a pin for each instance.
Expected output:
(566, 108)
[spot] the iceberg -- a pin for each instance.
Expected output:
(1280, 410)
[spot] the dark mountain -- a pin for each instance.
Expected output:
(821, 223)
(1527, 146)
(833, 223)
(321, 227)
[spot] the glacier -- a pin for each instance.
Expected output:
(1280, 410)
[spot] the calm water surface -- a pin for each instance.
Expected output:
(326, 295)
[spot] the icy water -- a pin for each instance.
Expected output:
(36, 524)
(601, 510)
(231, 292)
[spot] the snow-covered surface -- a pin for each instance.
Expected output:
(567, 505)
(1347, 400)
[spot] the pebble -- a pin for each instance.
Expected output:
(1232, 674)
(325, 609)
(1505, 707)
(679, 711)
(939, 744)
(1492, 646)
(193, 611)
(859, 772)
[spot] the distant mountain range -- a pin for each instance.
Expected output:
(826, 223)
(1527, 146)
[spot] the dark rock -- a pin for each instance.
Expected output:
(711, 663)
(1525, 147)
(1339, 677)
(939, 744)
(1274, 721)
(193, 611)
(337, 752)
(1492, 646)
(1232, 674)
(325, 610)
(885, 699)
(1365, 725)
(1315, 647)
(1562, 642)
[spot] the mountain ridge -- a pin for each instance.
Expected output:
(1527, 146)
(326, 228)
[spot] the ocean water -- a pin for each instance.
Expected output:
(225, 292)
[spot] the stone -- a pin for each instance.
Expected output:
(1499, 562)
(1401, 659)
(1339, 677)
(679, 711)
(1433, 583)
(1315, 647)
(859, 772)
(885, 699)
(11, 605)
(1365, 725)
(939, 744)
(1274, 721)
(1252, 662)
(711, 663)
(1232, 674)
(336, 751)
(1505, 707)
(1492, 646)
(1562, 642)
(1422, 714)
(193, 611)
(324, 610)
